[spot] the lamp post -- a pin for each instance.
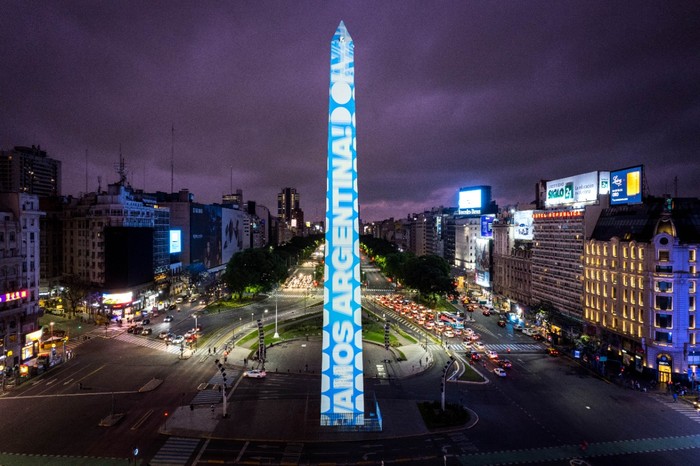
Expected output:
(251, 318)
(51, 324)
(276, 335)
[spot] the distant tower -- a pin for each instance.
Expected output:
(287, 203)
(342, 383)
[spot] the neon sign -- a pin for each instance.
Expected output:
(13, 296)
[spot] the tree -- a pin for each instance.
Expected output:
(429, 274)
(74, 291)
(254, 270)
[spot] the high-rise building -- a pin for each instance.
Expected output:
(19, 278)
(287, 204)
(29, 170)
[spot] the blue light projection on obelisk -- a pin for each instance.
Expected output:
(342, 384)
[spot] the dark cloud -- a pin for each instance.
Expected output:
(449, 94)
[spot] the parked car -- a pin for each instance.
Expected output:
(255, 374)
(499, 372)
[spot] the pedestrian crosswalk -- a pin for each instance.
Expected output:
(148, 342)
(500, 348)
(176, 451)
(680, 406)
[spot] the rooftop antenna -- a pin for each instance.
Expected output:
(99, 184)
(231, 180)
(121, 168)
(86, 171)
(172, 158)
(675, 186)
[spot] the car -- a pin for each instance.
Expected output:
(172, 307)
(146, 321)
(538, 337)
(255, 374)
(478, 345)
(501, 323)
(178, 300)
(131, 329)
(505, 364)
(475, 356)
(491, 354)
(449, 333)
(499, 372)
(486, 312)
(168, 319)
(169, 337)
(518, 327)
(146, 331)
(552, 351)
(162, 335)
(177, 339)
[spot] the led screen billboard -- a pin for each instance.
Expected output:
(473, 200)
(626, 186)
(175, 241)
(572, 190)
(205, 231)
(604, 183)
(232, 232)
(483, 262)
(487, 226)
(522, 224)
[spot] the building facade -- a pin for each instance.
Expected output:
(640, 288)
(19, 279)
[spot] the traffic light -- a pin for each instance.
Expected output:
(222, 369)
(386, 336)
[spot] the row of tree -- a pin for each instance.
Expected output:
(429, 275)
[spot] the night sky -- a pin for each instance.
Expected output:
(448, 94)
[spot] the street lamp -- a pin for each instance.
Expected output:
(51, 324)
(276, 335)
(251, 318)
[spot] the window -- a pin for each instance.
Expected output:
(640, 254)
(664, 321)
(691, 321)
(663, 337)
(664, 255)
(664, 303)
(664, 287)
(691, 255)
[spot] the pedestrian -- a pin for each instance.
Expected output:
(675, 397)
(209, 350)
(215, 349)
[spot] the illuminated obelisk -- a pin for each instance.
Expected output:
(342, 384)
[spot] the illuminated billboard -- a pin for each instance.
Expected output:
(111, 299)
(626, 186)
(572, 190)
(205, 230)
(473, 200)
(175, 241)
(342, 383)
(233, 223)
(522, 224)
(483, 262)
(487, 226)
(13, 296)
(604, 183)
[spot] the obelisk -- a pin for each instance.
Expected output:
(342, 384)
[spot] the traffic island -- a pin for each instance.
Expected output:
(151, 385)
(111, 420)
(435, 417)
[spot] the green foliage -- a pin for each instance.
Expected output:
(255, 271)
(429, 274)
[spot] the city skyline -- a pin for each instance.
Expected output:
(499, 95)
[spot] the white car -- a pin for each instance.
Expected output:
(499, 372)
(177, 340)
(255, 374)
(491, 354)
(478, 345)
